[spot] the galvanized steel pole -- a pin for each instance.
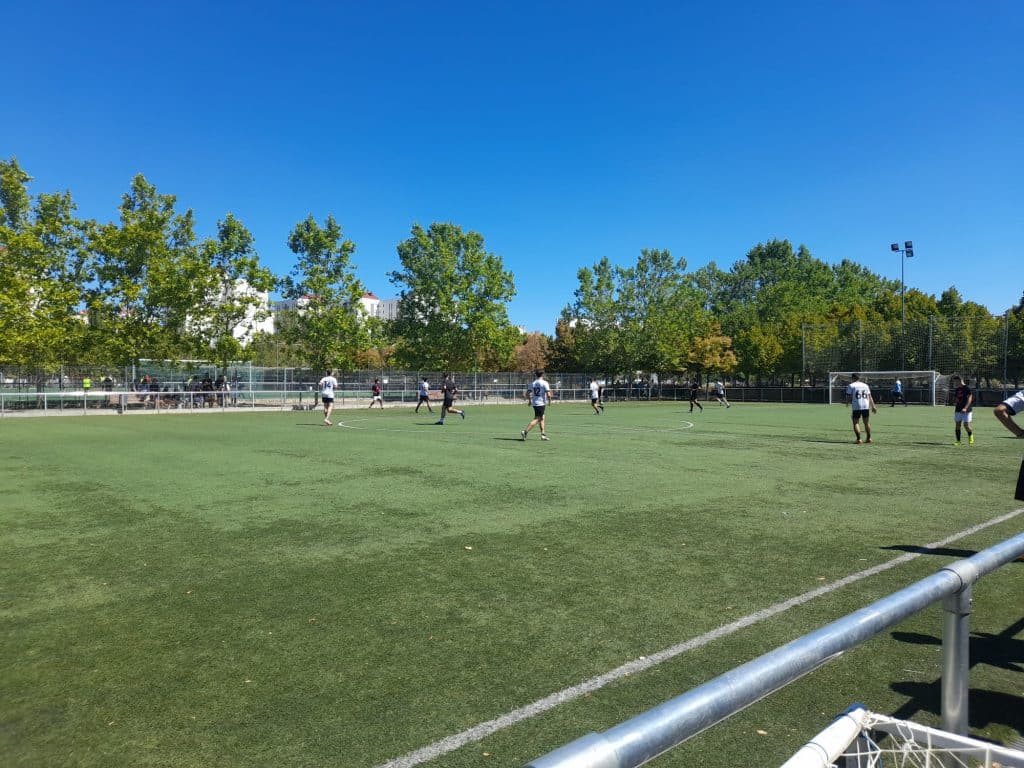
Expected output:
(651, 733)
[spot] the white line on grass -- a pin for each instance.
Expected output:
(351, 424)
(481, 731)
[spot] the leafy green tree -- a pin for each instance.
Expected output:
(328, 329)
(381, 344)
(271, 350)
(45, 268)
(236, 285)
(711, 353)
(562, 355)
(759, 348)
(594, 322)
(453, 302)
(149, 278)
(660, 312)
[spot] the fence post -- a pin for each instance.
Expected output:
(1006, 349)
(956, 665)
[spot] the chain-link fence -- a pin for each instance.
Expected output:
(986, 350)
(979, 348)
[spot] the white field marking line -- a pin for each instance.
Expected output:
(481, 731)
(621, 428)
(349, 424)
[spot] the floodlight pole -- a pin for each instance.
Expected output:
(906, 252)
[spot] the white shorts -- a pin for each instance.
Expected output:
(1015, 403)
(962, 418)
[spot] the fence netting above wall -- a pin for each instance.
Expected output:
(976, 347)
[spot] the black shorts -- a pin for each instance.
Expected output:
(424, 398)
(326, 400)
(857, 414)
(594, 400)
(538, 411)
(448, 403)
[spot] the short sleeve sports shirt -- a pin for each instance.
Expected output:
(860, 395)
(960, 397)
(327, 386)
(448, 390)
(539, 392)
(1015, 403)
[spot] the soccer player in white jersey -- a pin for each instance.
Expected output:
(1006, 410)
(327, 386)
(595, 397)
(539, 395)
(859, 396)
(424, 392)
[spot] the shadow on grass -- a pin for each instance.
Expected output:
(944, 551)
(1003, 651)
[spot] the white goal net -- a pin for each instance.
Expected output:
(862, 739)
(915, 387)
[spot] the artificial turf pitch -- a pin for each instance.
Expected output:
(261, 590)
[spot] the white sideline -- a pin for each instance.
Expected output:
(482, 730)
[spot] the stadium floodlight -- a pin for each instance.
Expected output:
(906, 252)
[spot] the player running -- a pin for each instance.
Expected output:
(720, 394)
(423, 388)
(448, 393)
(694, 394)
(378, 394)
(595, 397)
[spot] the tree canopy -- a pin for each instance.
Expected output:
(453, 302)
(144, 286)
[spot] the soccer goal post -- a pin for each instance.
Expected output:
(863, 739)
(915, 387)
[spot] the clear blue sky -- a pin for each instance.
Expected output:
(562, 131)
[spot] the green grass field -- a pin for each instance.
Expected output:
(259, 590)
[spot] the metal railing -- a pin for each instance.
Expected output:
(651, 733)
(80, 402)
